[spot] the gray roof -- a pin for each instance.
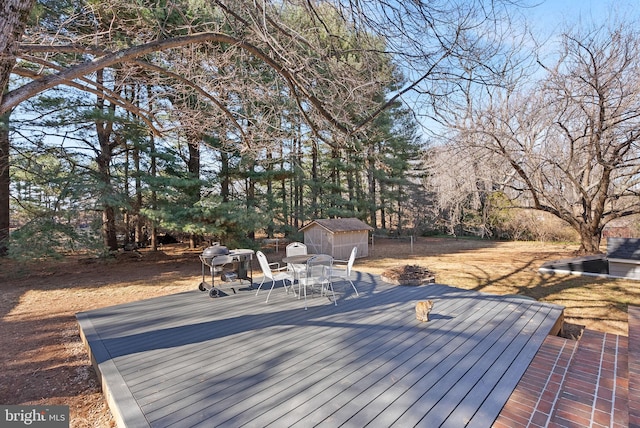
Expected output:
(340, 225)
(623, 248)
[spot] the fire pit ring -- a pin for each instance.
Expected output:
(412, 275)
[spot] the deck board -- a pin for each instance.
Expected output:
(189, 360)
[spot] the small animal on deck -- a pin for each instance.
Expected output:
(423, 307)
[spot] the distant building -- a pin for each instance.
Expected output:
(627, 227)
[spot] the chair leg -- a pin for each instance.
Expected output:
(344, 278)
(305, 296)
(258, 290)
(273, 283)
(330, 285)
(354, 287)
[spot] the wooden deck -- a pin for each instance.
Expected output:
(189, 360)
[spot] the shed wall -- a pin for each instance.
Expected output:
(339, 245)
(343, 243)
(317, 240)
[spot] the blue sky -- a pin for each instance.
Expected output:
(553, 14)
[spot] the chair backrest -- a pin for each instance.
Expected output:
(319, 267)
(296, 249)
(352, 258)
(264, 264)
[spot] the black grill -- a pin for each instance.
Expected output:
(231, 267)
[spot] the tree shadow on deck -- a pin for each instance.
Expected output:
(142, 326)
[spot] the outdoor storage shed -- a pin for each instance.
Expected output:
(337, 237)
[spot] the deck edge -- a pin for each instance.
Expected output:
(128, 415)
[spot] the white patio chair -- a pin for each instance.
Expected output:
(274, 274)
(296, 249)
(317, 273)
(342, 269)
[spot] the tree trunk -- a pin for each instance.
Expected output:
(371, 165)
(351, 184)
(109, 228)
(5, 181)
(153, 233)
(315, 210)
(297, 183)
(193, 164)
(283, 188)
(251, 195)
(335, 202)
(269, 195)
(103, 160)
(127, 213)
(13, 18)
(225, 180)
(109, 236)
(589, 241)
(140, 239)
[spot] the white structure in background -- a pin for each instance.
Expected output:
(337, 237)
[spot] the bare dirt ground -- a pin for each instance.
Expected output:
(44, 362)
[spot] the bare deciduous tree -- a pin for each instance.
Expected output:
(572, 141)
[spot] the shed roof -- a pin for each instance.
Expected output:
(340, 225)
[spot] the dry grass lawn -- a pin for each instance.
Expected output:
(512, 268)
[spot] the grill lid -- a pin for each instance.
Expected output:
(215, 250)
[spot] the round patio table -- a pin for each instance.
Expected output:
(298, 258)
